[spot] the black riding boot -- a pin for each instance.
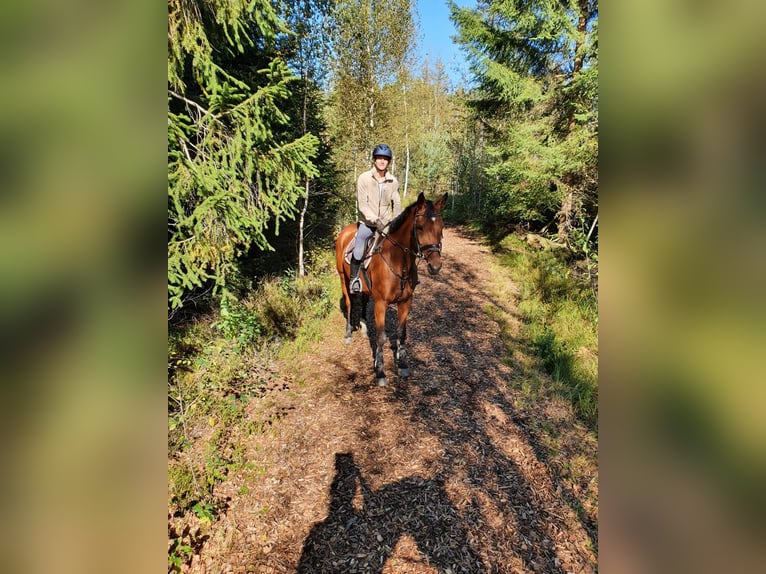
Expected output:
(355, 284)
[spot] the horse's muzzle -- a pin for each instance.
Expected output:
(434, 263)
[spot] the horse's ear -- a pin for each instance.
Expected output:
(439, 203)
(421, 199)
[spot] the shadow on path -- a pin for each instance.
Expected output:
(461, 393)
(351, 540)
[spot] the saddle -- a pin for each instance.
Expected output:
(371, 243)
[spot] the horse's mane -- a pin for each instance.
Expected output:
(402, 217)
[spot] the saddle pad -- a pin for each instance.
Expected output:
(371, 243)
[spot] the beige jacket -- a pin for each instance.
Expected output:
(374, 204)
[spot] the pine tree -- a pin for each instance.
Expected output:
(234, 169)
(535, 62)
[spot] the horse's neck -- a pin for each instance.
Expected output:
(402, 238)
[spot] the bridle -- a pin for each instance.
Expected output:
(424, 251)
(421, 251)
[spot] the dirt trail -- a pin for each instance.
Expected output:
(453, 470)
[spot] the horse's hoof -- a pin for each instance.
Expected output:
(347, 339)
(363, 328)
(382, 381)
(404, 373)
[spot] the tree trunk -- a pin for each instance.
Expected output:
(372, 115)
(301, 220)
(567, 207)
(582, 29)
(406, 145)
(407, 170)
(356, 174)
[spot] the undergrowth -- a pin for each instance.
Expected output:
(216, 364)
(559, 312)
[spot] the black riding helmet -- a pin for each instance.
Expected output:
(382, 150)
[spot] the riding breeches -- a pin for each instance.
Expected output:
(362, 234)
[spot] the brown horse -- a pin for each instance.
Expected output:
(392, 273)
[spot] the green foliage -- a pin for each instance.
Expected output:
(460, 211)
(239, 322)
(561, 322)
(234, 169)
(433, 160)
(205, 512)
(217, 364)
(561, 362)
(182, 484)
(178, 554)
(472, 181)
(372, 48)
(535, 65)
(524, 168)
(275, 311)
(429, 123)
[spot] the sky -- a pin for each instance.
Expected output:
(435, 42)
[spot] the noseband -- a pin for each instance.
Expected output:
(424, 251)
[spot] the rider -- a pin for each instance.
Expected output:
(378, 202)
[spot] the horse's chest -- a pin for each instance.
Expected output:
(407, 285)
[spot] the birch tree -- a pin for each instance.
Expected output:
(373, 40)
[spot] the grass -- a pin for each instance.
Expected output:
(559, 321)
(215, 365)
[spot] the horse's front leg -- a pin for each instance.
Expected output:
(380, 332)
(400, 353)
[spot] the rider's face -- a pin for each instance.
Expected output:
(381, 162)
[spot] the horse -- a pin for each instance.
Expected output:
(391, 274)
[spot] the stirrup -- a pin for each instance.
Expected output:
(356, 285)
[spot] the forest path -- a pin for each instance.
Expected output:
(454, 470)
